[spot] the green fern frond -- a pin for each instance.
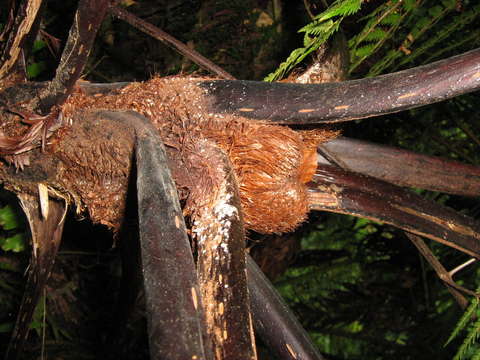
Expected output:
(379, 15)
(392, 19)
(317, 33)
(421, 22)
(427, 23)
(409, 4)
(376, 35)
(388, 19)
(287, 65)
(458, 23)
(469, 342)
(449, 3)
(436, 11)
(464, 320)
(364, 51)
(473, 39)
(340, 8)
(469, 348)
(476, 356)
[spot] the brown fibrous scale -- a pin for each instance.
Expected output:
(272, 163)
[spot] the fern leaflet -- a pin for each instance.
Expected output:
(317, 33)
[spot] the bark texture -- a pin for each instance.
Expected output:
(219, 231)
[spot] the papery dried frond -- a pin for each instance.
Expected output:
(41, 127)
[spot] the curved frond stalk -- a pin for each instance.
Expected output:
(336, 190)
(219, 230)
(403, 167)
(87, 21)
(274, 322)
(464, 320)
(161, 35)
(172, 297)
(336, 102)
(453, 288)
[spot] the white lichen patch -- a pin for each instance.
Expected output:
(214, 226)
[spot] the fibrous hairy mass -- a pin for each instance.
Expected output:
(271, 163)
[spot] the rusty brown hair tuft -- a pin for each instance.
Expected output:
(272, 163)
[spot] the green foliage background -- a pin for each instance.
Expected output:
(359, 287)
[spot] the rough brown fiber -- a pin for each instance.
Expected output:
(95, 172)
(272, 163)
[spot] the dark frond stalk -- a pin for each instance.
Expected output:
(337, 190)
(171, 287)
(46, 219)
(219, 231)
(87, 20)
(403, 167)
(356, 99)
(452, 287)
(274, 322)
(161, 35)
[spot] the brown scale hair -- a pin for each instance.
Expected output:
(272, 163)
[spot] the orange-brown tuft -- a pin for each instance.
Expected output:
(271, 163)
